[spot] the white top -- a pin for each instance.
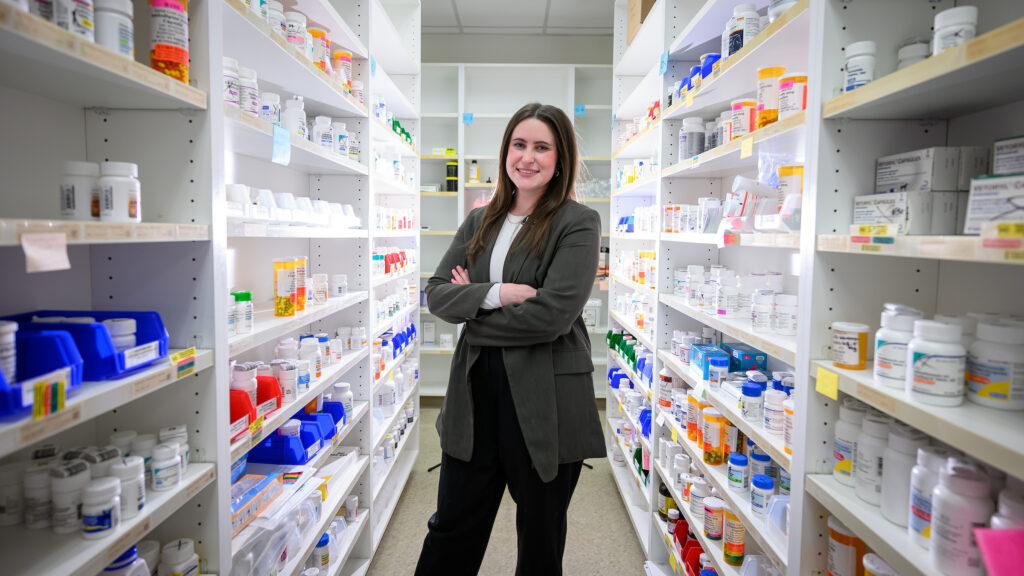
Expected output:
(509, 228)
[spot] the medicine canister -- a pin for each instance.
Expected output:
(692, 414)
(699, 490)
(123, 440)
(744, 25)
(75, 16)
(768, 94)
(101, 508)
(270, 107)
(166, 467)
(322, 554)
(691, 138)
(791, 181)
(11, 493)
(665, 501)
(248, 91)
(774, 417)
(752, 406)
(80, 191)
(785, 314)
(122, 332)
(714, 436)
(900, 456)
(960, 503)
(788, 425)
(142, 446)
(891, 348)
(295, 24)
(718, 371)
(995, 367)
(38, 502)
(243, 377)
(761, 463)
(168, 32)
(230, 74)
(870, 460)
(875, 566)
(714, 517)
(67, 481)
(100, 459)
(734, 536)
(792, 94)
(340, 138)
(284, 287)
(243, 312)
(293, 119)
(968, 324)
(343, 68)
(844, 446)
(120, 192)
(673, 519)
(131, 472)
(357, 91)
(128, 564)
(1009, 513)
(845, 550)
(953, 27)
(912, 53)
(276, 19)
(744, 117)
(179, 557)
(860, 64)
(762, 488)
(849, 345)
(149, 551)
(738, 471)
(323, 136)
(923, 479)
(936, 361)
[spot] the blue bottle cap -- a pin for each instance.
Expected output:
(752, 389)
(124, 560)
(326, 538)
(737, 459)
(763, 482)
(760, 457)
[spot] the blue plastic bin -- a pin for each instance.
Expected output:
(39, 352)
(289, 450)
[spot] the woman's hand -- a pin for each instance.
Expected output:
(460, 275)
(511, 294)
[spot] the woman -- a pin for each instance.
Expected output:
(520, 406)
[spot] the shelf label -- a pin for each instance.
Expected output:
(580, 109)
(255, 429)
(467, 117)
(373, 66)
(45, 251)
(200, 483)
(184, 361)
(282, 147)
(731, 239)
(675, 435)
(39, 429)
(695, 161)
(1013, 256)
(746, 147)
(689, 99)
(1010, 230)
(139, 355)
(663, 65)
(870, 248)
(672, 563)
(155, 232)
(872, 230)
(147, 385)
(238, 426)
(827, 383)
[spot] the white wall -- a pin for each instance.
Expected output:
(520, 49)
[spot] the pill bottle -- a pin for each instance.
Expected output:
(912, 52)
(131, 473)
(165, 467)
(149, 551)
(788, 425)
(295, 23)
(80, 191)
(270, 107)
(114, 28)
(343, 68)
(276, 19)
(301, 274)
(67, 481)
(122, 332)
(673, 519)
(120, 192)
(845, 550)
(714, 436)
(168, 32)
(231, 81)
(871, 444)
(792, 94)
(179, 557)
(744, 25)
(309, 350)
(960, 503)
(924, 477)
(38, 502)
(710, 134)
(322, 552)
(1009, 513)
(12, 495)
(784, 481)
(75, 17)
(785, 314)
(768, 94)
(353, 148)
(844, 447)
(248, 92)
(714, 517)
(762, 488)
(340, 131)
(849, 345)
(293, 119)
(243, 312)
(691, 138)
(323, 136)
(953, 27)
(284, 287)
(968, 324)
(734, 536)
(753, 402)
(142, 446)
(900, 457)
(128, 564)
(243, 377)
(744, 117)
(936, 362)
(761, 463)
(100, 459)
(860, 64)
(358, 338)
(738, 472)
(699, 490)
(351, 508)
(101, 508)
(891, 348)
(995, 367)
(875, 566)
(774, 417)
(718, 371)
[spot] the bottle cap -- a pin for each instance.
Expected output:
(128, 468)
(865, 48)
(132, 554)
(73, 168)
(763, 482)
(123, 169)
(737, 459)
(177, 551)
(932, 330)
(101, 490)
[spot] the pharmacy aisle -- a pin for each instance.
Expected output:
(764, 415)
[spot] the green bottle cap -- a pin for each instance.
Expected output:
(243, 296)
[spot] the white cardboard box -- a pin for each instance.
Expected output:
(429, 333)
(974, 161)
(994, 199)
(1008, 156)
(928, 169)
(909, 213)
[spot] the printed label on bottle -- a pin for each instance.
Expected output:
(869, 471)
(95, 523)
(938, 375)
(271, 114)
(169, 33)
(891, 361)
(995, 380)
(125, 41)
(846, 348)
(920, 513)
(757, 502)
(285, 282)
(67, 200)
(843, 453)
(167, 476)
(857, 76)
(842, 554)
(954, 36)
(231, 90)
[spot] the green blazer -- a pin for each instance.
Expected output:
(544, 341)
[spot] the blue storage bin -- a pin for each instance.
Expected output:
(102, 360)
(288, 450)
(324, 422)
(40, 352)
(337, 412)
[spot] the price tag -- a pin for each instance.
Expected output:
(689, 99)
(47, 393)
(695, 161)
(663, 65)
(731, 239)
(467, 117)
(827, 383)
(675, 435)
(184, 361)
(45, 252)
(746, 147)
(672, 563)
(254, 430)
(373, 66)
(580, 109)
(1014, 255)
(1010, 230)
(282, 147)
(870, 248)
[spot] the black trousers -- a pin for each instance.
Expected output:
(470, 493)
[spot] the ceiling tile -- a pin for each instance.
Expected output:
(441, 30)
(585, 13)
(580, 31)
(438, 13)
(487, 13)
(491, 30)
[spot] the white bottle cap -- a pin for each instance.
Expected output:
(906, 439)
(101, 490)
(70, 476)
(173, 433)
(1011, 503)
(933, 457)
(143, 444)
(177, 551)
(73, 168)
(865, 48)
(128, 468)
(955, 16)
(916, 50)
(247, 73)
(897, 321)
(37, 475)
(1001, 334)
(786, 300)
(165, 452)
(120, 326)
(119, 169)
(968, 324)
(932, 330)
(291, 428)
(876, 424)
(964, 479)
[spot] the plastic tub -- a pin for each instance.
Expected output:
(40, 352)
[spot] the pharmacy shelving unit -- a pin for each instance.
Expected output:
(837, 276)
(466, 108)
(191, 250)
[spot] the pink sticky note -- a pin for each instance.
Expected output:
(1001, 550)
(45, 251)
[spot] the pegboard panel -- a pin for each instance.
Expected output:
(341, 256)
(848, 150)
(619, 36)
(175, 175)
(985, 127)
(669, 131)
(63, 289)
(812, 547)
(258, 173)
(688, 190)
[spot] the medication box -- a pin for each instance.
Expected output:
(919, 170)
(909, 213)
(994, 199)
(743, 357)
(699, 358)
(250, 496)
(1008, 156)
(974, 161)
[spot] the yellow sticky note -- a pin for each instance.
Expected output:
(746, 147)
(675, 435)
(1010, 230)
(827, 383)
(689, 99)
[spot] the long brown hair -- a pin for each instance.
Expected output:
(561, 188)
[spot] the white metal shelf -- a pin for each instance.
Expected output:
(275, 419)
(703, 33)
(96, 232)
(383, 134)
(643, 145)
(384, 186)
(635, 236)
(989, 434)
(646, 46)
(781, 347)
(267, 327)
(359, 409)
(949, 248)
(246, 228)
(378, 486)
(377, 282)
(891, 542)
(93, 399)
(404, 462)
(633, 330)
(641, 288)
(638, 516)
(758, 239)
(387, 44)
(386, 325)
(322, 15)
(40, 58)
(432, 350)
(646, 187)
(643, 96)
(389, 421)
(250, 136)
(410, 233)
(73, 554)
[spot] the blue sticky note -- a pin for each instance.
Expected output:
(664, 64)
(580, 109)
(373, 66)
(282, 152)
(467, 117)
